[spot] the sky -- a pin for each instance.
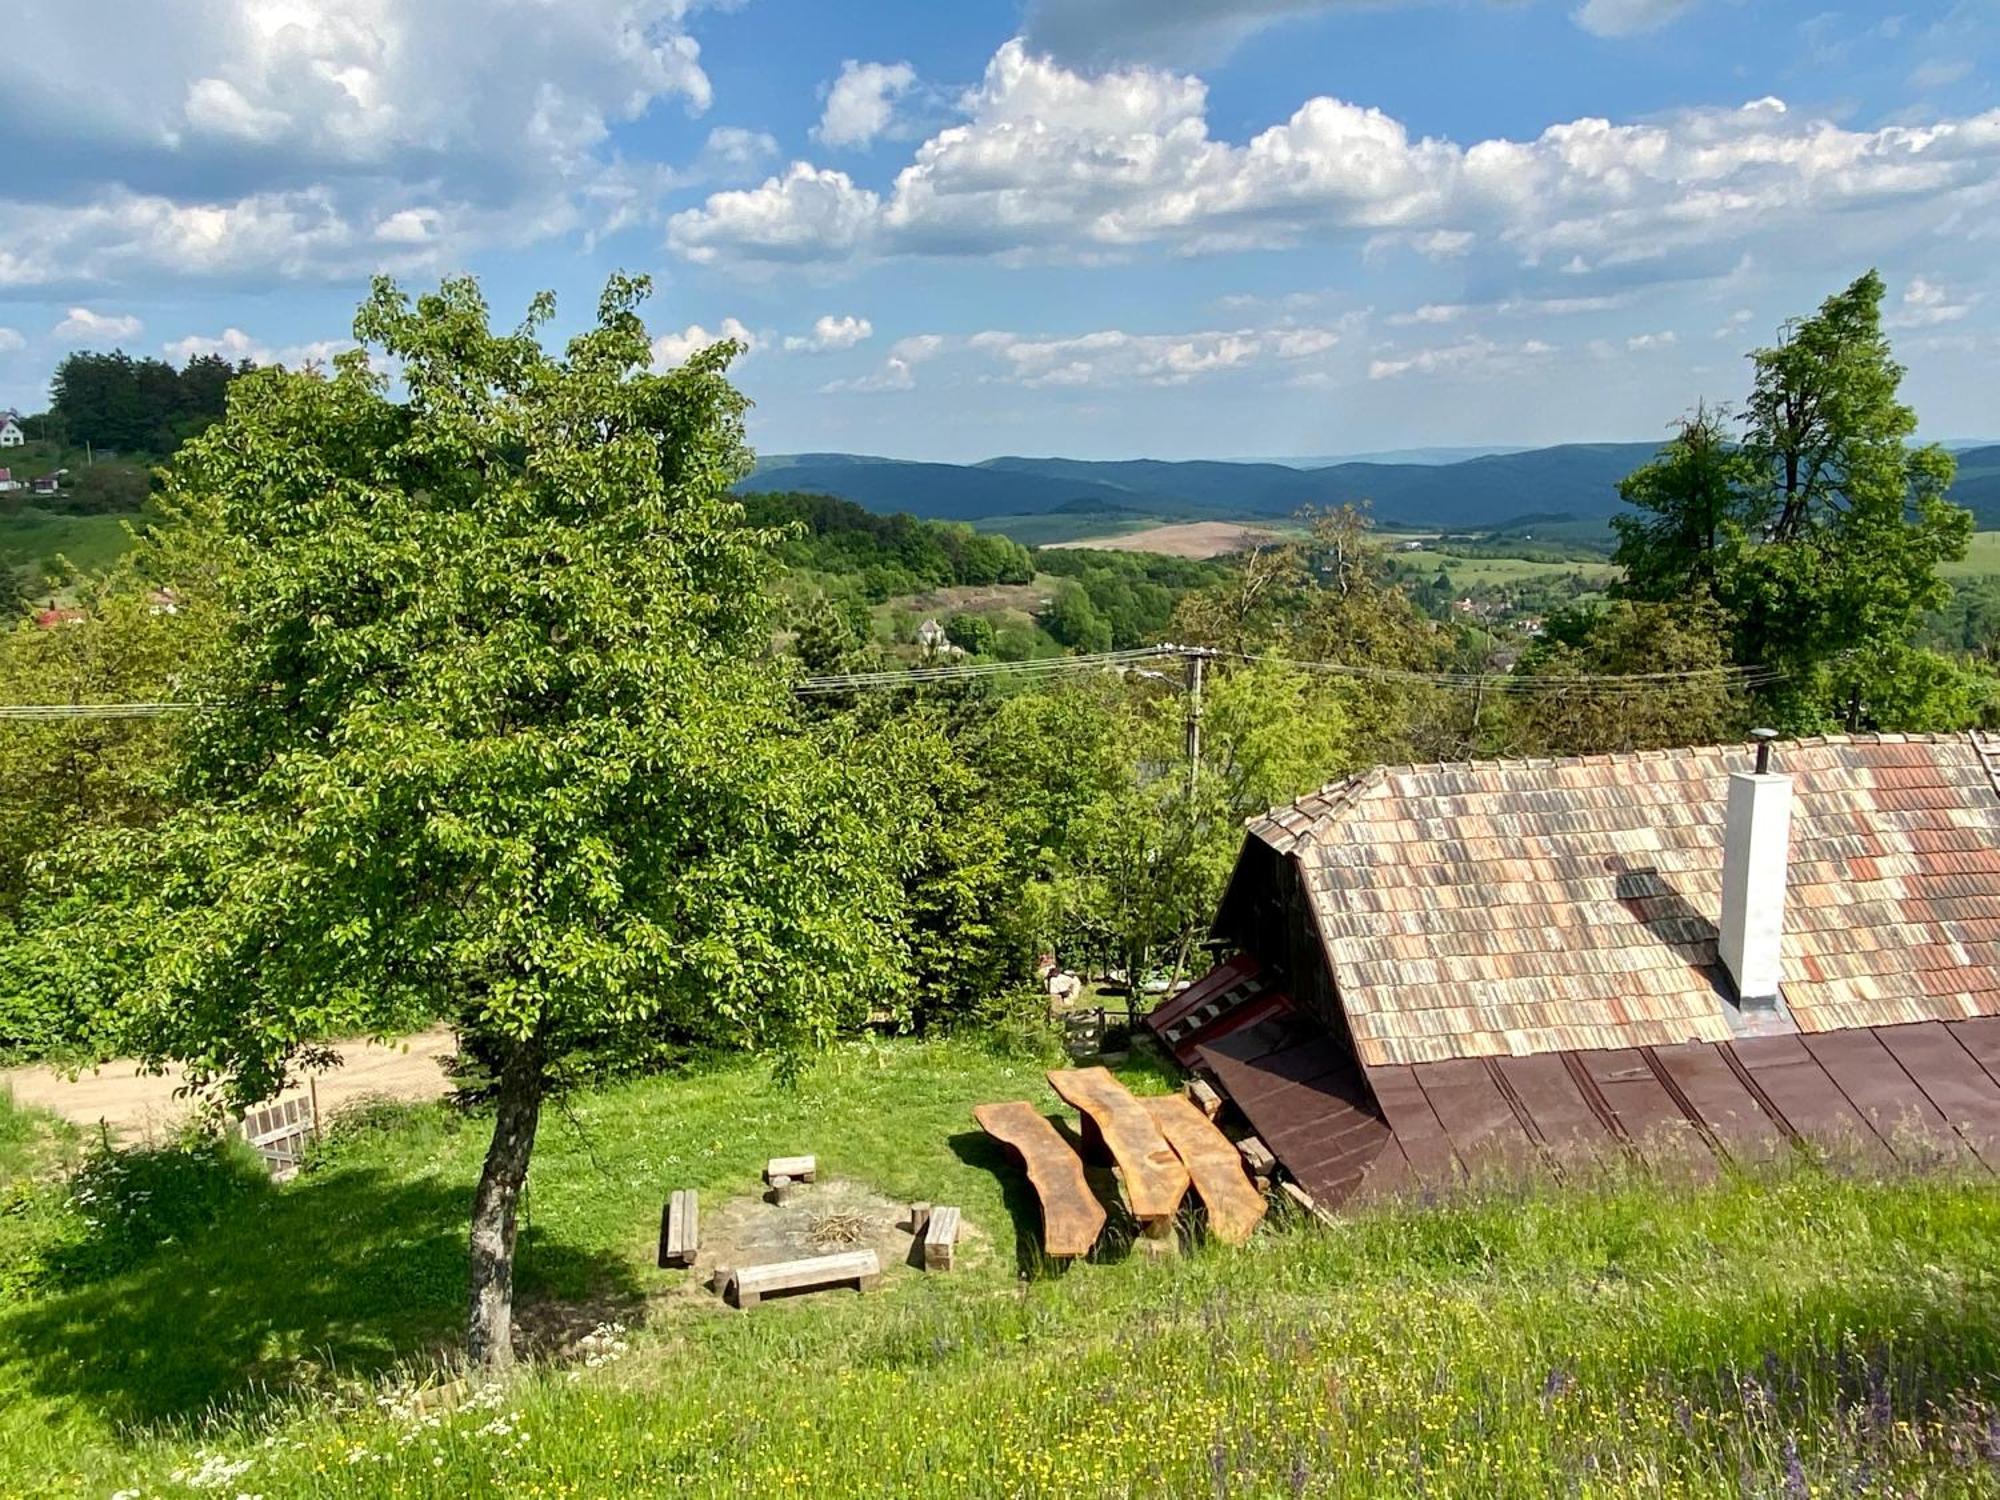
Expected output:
(1094, 228)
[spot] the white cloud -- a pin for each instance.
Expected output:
(1627, 17)
(1734, 324)
(82, 323)
(1432, 312)
(862, 102)
(898, 372)
(671, 348)
(829, 332)
(234, 345)
(1926, 304)
(1473, 356)
(732, 148)
(1639, 342)
(11, 340)
(346, 114)
(1113, 356)
(1051, 163)
(805, 215)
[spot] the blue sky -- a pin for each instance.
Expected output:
(1090, 227)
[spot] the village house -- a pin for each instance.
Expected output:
(11, 433)
(1440, 971)
(9, 483)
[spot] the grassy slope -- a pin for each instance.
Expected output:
(1650, 1338)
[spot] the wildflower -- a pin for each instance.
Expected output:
(1795, 1474)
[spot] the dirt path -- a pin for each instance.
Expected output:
(138, 1106)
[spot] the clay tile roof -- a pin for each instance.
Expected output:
(1516, 907)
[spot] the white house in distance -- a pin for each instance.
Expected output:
(11, 435)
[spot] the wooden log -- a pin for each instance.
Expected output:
(794, 1168)
(680, 1229)
(748, 1285)
(1305, 1201)
(941, 1239)
(1258, 1158)
(1202, 1095)
(920, 1215)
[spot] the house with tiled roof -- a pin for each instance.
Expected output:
(1434, 970)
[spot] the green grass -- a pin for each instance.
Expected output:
(35, 539)
(1468, 572)
(1981, 560)
(1808, 1328)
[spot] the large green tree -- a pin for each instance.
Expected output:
(495, 735)
(1820, 531)
(1692, 522)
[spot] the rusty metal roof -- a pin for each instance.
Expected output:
(1513, 908)
(1915, 1094)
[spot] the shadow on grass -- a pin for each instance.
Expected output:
(345, 1274)
(981, 1152)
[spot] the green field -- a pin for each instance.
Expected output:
(36, 541)
(1803, 1331)
(1981, 560)
(1469, 572)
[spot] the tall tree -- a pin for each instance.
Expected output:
(1693, 526)
(495, 735)
(1853, 521)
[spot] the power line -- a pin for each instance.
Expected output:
(1043, 668)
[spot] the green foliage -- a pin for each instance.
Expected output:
(887, 555)
(1634, 639)
(135, 405)
(1694, 526)
(494, 733)
(1074, 621)
(973, 634)
(1822, 535)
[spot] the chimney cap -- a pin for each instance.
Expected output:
(1762, 738)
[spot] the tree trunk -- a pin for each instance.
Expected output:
(489, 1337)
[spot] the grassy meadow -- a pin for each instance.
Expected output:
(172, 1323)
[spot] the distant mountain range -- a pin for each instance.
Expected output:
(1493, 491)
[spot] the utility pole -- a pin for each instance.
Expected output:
(1196, 655)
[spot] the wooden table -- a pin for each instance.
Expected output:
(1072, 1218)
(1154, 1176)
(1235, 1207)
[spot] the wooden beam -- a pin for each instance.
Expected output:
(749, 1285)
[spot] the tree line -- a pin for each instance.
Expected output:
(133, 405)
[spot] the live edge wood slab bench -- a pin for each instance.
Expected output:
(1072, 1217)
(750, 1285)
(1155, 1178)
(1235, 1207)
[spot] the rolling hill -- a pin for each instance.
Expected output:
(1490, 490)
(1574, 484)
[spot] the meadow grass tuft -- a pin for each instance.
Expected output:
(1807, 1330)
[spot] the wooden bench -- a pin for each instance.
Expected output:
(1072, 1218)
(1154, 1177)
(750, 1285)
(680, 1230)
(1235, 1207)
(783, 1172)
(940, 1233)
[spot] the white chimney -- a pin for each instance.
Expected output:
(1755, 845)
